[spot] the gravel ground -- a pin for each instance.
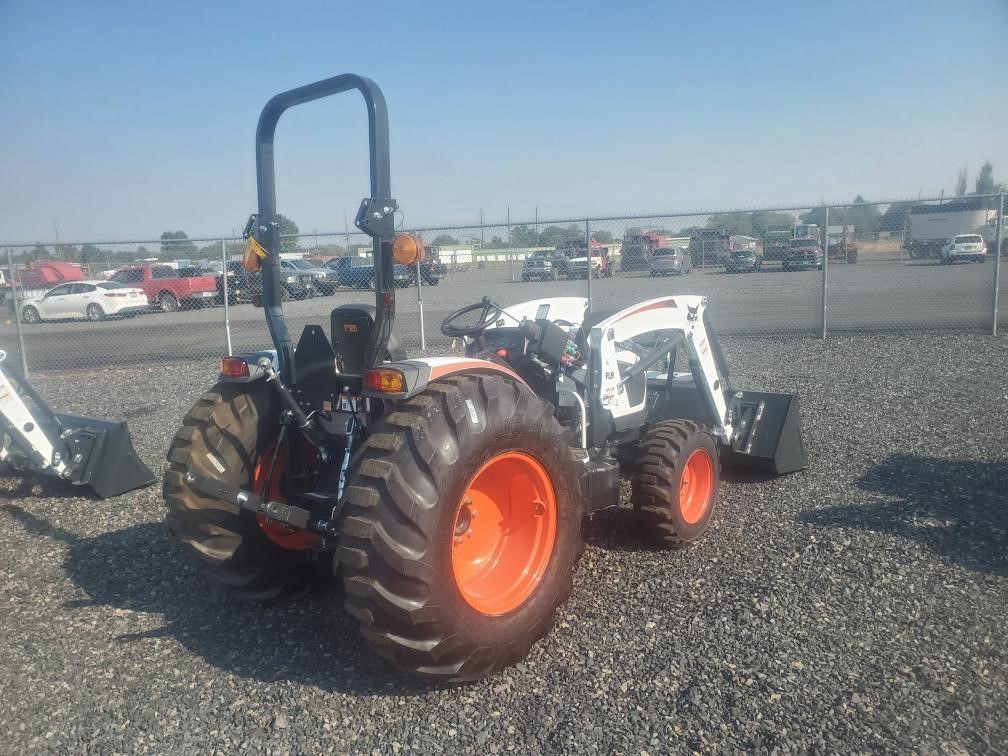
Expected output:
(858, 606)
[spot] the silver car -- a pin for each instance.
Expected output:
(666, 261)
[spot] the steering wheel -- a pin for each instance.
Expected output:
(489, 312)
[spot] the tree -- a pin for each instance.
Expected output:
(66, 252)
(522, 236)
(861, 216)
(553, 236)
(90, 254)
(961, 183)
(496, 241)
(895, 218)
(604, 237)
(732, 223)
(765, 219)
(444, 240)
(176, 244)
(288, 234)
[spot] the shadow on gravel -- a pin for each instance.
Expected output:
(311, 641)
(615, 529)
(956, 508)
(18, 487)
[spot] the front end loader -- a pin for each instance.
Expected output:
(89, 452)
(448, 493)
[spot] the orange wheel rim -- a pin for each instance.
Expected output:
(504, 532)
(280, 534)
(697, 485)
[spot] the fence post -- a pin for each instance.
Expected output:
(419, 301)
(588, 249)
(227, 297)
(15, 310)
(997, 262)
(825, 267)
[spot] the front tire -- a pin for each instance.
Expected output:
(462, 528)
(229, 435)
(675, 483)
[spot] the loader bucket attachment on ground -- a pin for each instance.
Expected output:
(770, 439)
(109, 464)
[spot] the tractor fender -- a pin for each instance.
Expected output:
(420, 373)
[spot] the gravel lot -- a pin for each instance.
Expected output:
(858, 606)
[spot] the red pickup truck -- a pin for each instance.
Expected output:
(164, 287)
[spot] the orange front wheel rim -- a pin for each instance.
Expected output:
(696, 486)
(504, 532)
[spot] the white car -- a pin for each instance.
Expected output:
(964, 247)
(91, 300)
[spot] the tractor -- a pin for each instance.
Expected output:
(448, 494)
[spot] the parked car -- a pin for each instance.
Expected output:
(196, 271)
(358, 272)
(803, 254)
(431, 272)
(166, 289)
(577, 266)
(964, 247)
(744, 261)
(323, 280)
(85, 300)
(545, 265)
(668, 260)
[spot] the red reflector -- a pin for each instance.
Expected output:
(385, 381)
(234, 367)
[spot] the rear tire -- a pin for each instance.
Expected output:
(234, 425)
(29, 315)
(403, 537)
(168, 302)
(94, 312)
(675, 483)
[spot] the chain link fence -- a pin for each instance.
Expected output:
(815, 270)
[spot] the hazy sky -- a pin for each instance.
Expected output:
(122, 120)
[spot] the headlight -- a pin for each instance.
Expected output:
(290, 279)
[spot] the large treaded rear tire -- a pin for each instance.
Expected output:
(235, 424)
(398, 527)
(657, 483)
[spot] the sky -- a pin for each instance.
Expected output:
(121, 120)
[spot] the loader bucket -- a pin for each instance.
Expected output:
(109, 463)
(770, 440)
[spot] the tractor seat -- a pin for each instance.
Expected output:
(351, 329)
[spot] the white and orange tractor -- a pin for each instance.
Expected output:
(448, 494)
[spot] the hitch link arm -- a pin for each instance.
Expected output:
(296, 517)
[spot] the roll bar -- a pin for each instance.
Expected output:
(375, 217)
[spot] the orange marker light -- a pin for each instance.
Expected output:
(234, 367)
(407, 249)
(385, 381)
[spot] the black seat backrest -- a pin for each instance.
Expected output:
(351, 329)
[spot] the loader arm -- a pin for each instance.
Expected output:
(676, 320)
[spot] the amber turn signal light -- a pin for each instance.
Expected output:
(385, 381)
(407, 249)
(234, 367)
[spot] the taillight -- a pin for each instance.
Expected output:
(385, 381)
(234, 367)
